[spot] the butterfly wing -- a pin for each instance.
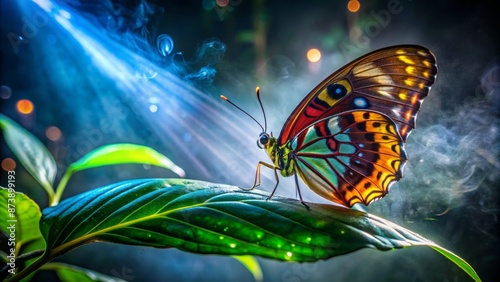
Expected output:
(350, 158)
(394, 81)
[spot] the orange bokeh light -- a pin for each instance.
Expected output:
(53, 133)
(25, 106)
(353, 6)
(8, 164)
(313, 55)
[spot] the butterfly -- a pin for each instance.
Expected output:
(346, 138)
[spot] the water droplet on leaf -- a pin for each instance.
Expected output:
(165, 44)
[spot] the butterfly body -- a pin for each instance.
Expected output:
(346, 138)
(283, 156)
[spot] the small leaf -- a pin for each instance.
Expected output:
(252, 265)
(112, 155)
(209, 218)
(31, 153)
(21, 225)
(124, 154)
(457, 260)
(70, 273)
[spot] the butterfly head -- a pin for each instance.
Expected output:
(266, 140)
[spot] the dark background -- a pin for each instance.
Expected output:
(450, 190)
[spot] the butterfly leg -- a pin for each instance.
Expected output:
(298, 190)
(256, 182)
(277, 182)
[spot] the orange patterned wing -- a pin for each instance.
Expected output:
(350, 158)
(393, 81)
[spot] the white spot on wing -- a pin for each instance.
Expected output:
(360, 103)
(371, 70)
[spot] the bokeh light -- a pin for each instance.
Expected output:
(8, 164)
(25, 106)
(222, 3)
(5, 92)
(353, 6)
(313, 55)
(53, 133)
(153, 108)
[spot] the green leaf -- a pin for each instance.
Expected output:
(209, 218)
(21, 225)
(124, 154)
(71, 273)
(31, 153)
(252, 265)
(457, 260)
(116, 154)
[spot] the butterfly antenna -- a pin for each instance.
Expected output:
(257, 91)
(227, 100)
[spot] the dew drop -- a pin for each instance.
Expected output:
(165, 44)
(146, 72)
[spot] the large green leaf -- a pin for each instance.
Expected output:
(31, 153)
(21, 224)
(212, 218)
(71, 273)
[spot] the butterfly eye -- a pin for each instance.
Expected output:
(263, 140)
(336, 90)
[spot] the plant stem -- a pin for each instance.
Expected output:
(61, 186)
(30, 269)
(24, 257)
(53, 266)
(19, 260)
(49, 190)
